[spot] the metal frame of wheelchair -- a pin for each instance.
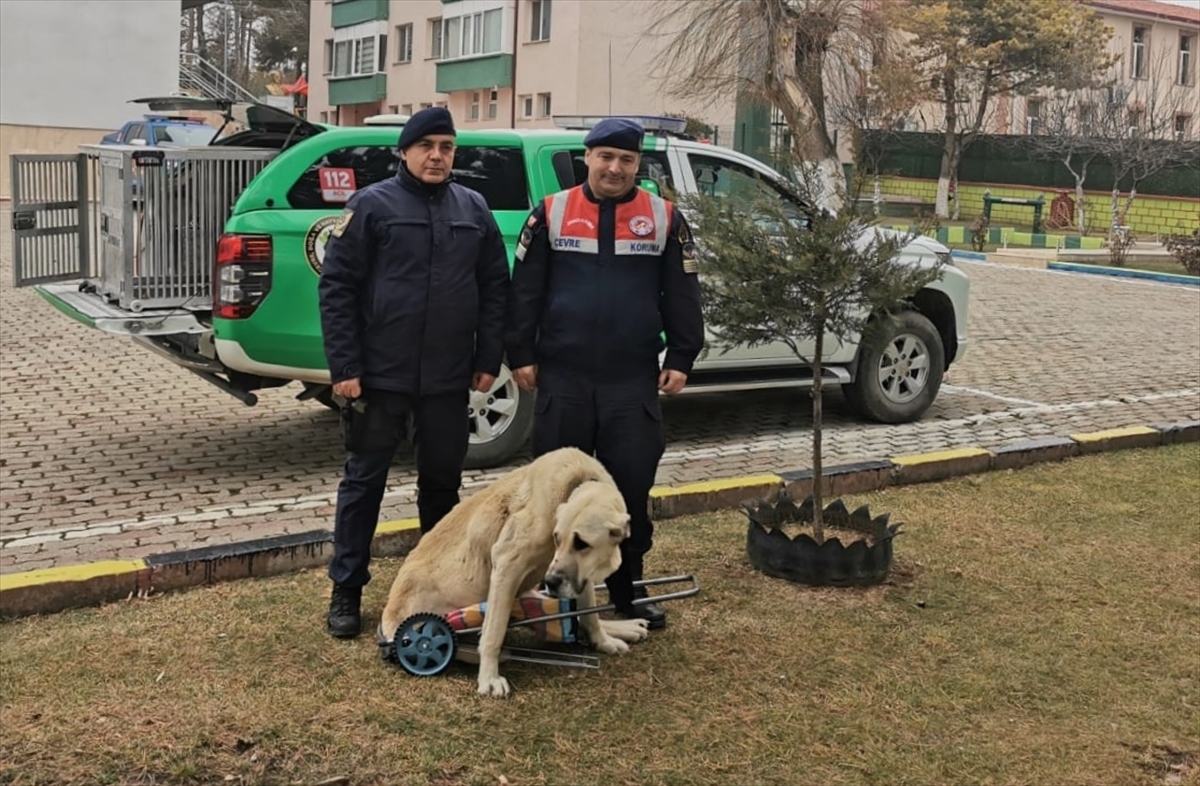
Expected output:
(426, 644)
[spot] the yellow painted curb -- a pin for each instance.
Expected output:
(1114, 433)
(941, 455)
(708, 486)
(400, 525)
(84, 572)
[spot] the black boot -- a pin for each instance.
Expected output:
(622, 593)
(652, 613)
(344, 620)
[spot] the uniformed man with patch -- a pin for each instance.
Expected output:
(412, 293)
(602, 272)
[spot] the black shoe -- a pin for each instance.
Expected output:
(654, 616)
(344, 620)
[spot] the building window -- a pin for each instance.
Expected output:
(406, 109)
(1033, 116)
(1087, 119)
(404, 42)
(526, 107)
(539, 20)
(435, 39)
(473, 114)
(1141, 44)
(362, 50)
(425, 104)
(1134, 119)
(1183, 127)
(327, 61)
(494, 105)
(443, 105)
(1185, 59)
(543, 105)
(323, 117)
(466, 36)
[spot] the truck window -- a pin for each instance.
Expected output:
(497, 173)
(571, 170)
(725, 179)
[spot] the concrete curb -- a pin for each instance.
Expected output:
(1145, 275)
(51, 590)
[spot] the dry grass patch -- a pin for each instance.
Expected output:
(1042, 627)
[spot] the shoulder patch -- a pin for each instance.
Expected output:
(688, 246)
(342, 223)
(524, 241)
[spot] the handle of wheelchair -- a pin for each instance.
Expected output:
(686, 593)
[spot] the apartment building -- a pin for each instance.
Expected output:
(1156, 72)
(493, 63)
(68, 69)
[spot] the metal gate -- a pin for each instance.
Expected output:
(50, 218)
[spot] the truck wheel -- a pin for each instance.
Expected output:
(501, 420)
(900, 365)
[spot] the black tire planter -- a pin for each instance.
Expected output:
(830, 564)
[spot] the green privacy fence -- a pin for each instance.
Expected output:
(1015, 160)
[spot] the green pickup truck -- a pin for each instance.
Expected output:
(214, 262)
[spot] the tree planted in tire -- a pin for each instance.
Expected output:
(773, 272)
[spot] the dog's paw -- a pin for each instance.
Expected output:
(493, 686)
(631, 631)
(612, 646)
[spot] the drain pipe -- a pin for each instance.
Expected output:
(512, 123)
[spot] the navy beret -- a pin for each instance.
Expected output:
(617, 132)
(431, 120)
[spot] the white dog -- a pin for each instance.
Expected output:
(559, 519)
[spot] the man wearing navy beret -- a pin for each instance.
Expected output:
(412, 292)
(602, 271)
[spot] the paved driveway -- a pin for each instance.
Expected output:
(107, 451)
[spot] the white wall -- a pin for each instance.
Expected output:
(76, 63)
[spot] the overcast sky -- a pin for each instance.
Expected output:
(1184, 3)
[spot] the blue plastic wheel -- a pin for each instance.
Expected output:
(424, 645)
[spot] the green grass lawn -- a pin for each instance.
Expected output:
(1040, 627)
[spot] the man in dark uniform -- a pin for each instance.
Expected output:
(413, 291)
(602, 270)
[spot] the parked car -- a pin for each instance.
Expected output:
(237, 253)
(162, 131)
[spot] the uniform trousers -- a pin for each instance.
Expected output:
(620, 423)
(439, 428)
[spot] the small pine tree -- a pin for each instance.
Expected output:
(774, 271)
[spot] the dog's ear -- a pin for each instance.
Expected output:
(619, 532)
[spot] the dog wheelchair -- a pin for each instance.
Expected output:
(426, 644)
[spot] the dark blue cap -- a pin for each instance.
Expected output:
(617, 132)
(431, 120)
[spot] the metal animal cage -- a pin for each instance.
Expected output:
(140, 225)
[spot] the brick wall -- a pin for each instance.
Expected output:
(1150, 215)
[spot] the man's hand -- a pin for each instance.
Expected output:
(671, 381)
(482, 382)
(526, 377)
(348, 389)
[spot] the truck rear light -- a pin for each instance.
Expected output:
(243, 274)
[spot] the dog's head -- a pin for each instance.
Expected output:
(588, 531)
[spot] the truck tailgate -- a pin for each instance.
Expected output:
(95, 311)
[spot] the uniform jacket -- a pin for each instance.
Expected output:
(596, 283)
(413, 288)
